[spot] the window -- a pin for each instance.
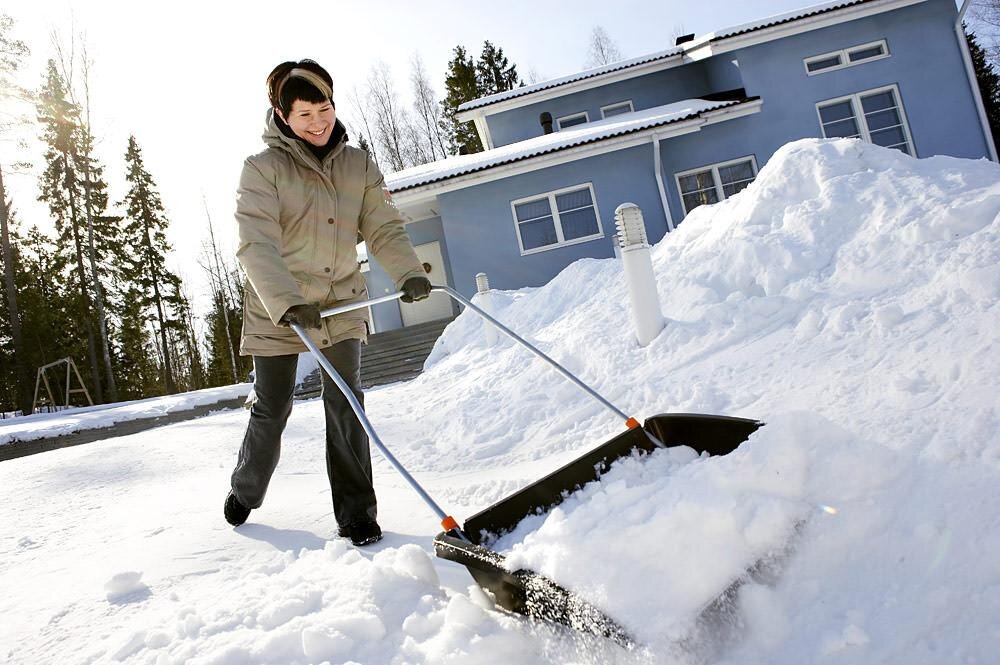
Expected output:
(875, 116)
(563, 217)
(711, 184)
(846, 57)
(571, 120)
(616, 109)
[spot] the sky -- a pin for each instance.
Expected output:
(187, 79)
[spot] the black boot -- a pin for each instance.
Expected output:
(361, 533)
(236, 512)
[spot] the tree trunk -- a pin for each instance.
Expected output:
(20, 359)
(168, 374)
(98, 288)
(82, 276)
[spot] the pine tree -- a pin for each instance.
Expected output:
(493, 72)
(62, 190)
(158, 289)
(461, 85)
(989, 85)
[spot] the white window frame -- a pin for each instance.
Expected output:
(560, 241)
(715, 177)
(845, 60)
(631, 108)
(572, 116)
(859, 113)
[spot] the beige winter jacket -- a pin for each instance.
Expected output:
(298, 225)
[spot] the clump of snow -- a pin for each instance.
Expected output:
(124, 586)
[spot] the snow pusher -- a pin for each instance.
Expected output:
(524, 591)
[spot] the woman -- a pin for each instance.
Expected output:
(300, 206)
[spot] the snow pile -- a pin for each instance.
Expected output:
(848, 297)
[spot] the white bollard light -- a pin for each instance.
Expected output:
(485, 301)
(643, 296)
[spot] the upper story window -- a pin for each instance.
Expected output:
(617, 109)
(559, 218)
(847, 57)
(875, 116)
(571, 120)
(711, 184)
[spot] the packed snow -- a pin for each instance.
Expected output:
(848, 297)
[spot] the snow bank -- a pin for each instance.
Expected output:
(848, 297)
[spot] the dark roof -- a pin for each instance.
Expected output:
(727, 33)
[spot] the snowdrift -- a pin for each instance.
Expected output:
(848, 297)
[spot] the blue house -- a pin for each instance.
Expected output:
(676, 129)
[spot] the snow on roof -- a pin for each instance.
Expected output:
(579, 76)
(618, 125)
(733, 31)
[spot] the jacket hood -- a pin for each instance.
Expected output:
(275, 138)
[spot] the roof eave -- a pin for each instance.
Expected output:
(421, 192)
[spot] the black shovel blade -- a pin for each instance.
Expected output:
(527, 592)
(716, 435)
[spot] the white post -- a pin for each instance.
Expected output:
(645, 301)
(484, 299)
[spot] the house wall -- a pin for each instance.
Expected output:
(386, 315)
(480, 228)
(925, 63)
(647, 91)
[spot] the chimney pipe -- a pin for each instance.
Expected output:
(546, 120)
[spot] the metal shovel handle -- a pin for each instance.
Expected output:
(630, 422)
(447, 521)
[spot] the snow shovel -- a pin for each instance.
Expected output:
(524, 591)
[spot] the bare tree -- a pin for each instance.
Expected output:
(219, 284)
(389, 117)
(427, 109)
(602, 49)
(361, 110)
(985, 17)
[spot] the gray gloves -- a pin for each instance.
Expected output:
(416, 288)
(306, 316)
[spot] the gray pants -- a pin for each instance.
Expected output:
(348, 458)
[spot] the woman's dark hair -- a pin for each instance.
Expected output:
(282, 91)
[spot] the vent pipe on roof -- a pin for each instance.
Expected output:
(546, 120)
(683, 39)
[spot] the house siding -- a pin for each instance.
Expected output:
(646, 92)
(480, 226)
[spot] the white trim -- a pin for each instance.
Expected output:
(716, 180)
(698, 49)
(429, 191)
(483, 129)
(970, 74)
(845, 57)
(572, 116)
(660, 186)
(557, 91)
(704, 47)
(859, 113)
(556, 222)
(631, 108)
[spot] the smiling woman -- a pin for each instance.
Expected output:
(301, 205)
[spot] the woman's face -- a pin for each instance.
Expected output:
(311, 121)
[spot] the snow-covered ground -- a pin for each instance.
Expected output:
(75, 419)
(848, 297)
